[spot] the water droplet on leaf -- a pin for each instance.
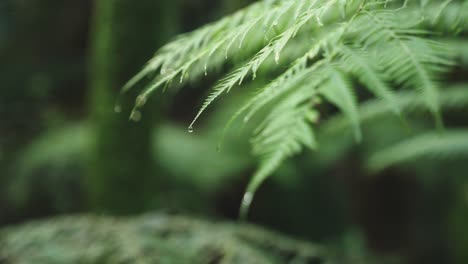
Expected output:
(245, 205)
(277, 57)
(319, 21)
(141, 101)
(247, 199)
(190, 129)
(135, 116)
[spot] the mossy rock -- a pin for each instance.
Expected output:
(154, 238)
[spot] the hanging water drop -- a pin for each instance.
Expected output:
(245, 205)
(206, 70)
(247, 199)
(277, 57)
(135, 116)
(182, 77)
(190, 129)
(140, 101)
(319, 20)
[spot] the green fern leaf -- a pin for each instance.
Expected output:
(278, 140)
(453, 98)
(411, 61)
(363, 66)
(339, 91)
(451, 143)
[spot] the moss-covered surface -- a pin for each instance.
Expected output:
(153, 238)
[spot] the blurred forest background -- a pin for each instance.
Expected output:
(66, 147)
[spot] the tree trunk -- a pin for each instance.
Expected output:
(121, 177)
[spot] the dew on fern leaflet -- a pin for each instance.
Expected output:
(245, 205)
(183, 74)
(141, 100)
(319, 20)
(247, 199)
(166, 71)
(135, 116)
(277, 57)
(190, 129)
(182, 78)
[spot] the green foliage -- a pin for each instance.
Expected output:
(349, 48)
(60, 153)
(57, 158)
(448, 144)
(384, 132)
(150, 239)
(60, 145)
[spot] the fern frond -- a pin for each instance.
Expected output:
(297, 72)
(364, 67)
(178, 56)
(411, 61)
(411, 68)
(447, 16)
(339, 91)
(385, 45)
(280, 138)
(453, 98)
(234, 78)
(460, 49)
(287, 82)
(451, 143)
(275, 47)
